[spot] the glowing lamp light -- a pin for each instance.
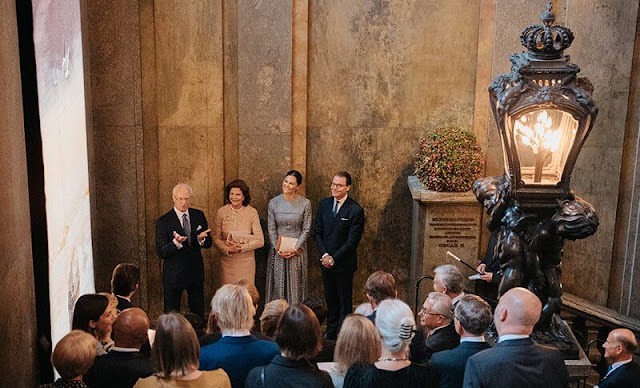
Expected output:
(544, 114)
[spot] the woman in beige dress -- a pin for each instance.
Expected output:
(238, 234)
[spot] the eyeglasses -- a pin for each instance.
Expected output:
(425, 312)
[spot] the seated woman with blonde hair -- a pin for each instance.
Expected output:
(271, 315)
(395, 324)
(176, 354)
(72, 357)
(358, 343)
(238, 351)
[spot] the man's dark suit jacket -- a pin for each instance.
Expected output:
(516, 363)
(450, 363)
(422, 349)
(339, 236)
(118, 369)
(626, 376)
(184, 266)
(123, 303)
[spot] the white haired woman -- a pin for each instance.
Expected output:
(395, 323)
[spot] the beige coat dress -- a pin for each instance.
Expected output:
(245, 221)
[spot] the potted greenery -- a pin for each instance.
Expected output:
(449, 159)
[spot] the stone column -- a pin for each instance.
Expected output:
(17, 306)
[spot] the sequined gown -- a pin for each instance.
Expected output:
(287, 278)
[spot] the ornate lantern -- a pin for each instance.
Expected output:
(544, 114)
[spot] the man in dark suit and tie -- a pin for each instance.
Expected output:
(124, 364)
(618, 350)
(338, 229)
(472, 317)
(436, 332)
(180, 235)
(516, 361)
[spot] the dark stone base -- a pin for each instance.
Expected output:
(559, 336)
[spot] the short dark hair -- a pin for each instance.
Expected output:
(298, 334)
(318, 306)
(240, 184)
(380, 286)
(474, 314)
(124, 279)
(345, 175)
(88, 307)
(296, 174)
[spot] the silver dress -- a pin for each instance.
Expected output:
(287, 278)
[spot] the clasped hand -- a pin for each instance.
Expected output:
(234, 247)
(290, 254)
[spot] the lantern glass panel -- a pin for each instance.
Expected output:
(543, 139)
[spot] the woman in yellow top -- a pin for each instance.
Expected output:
(238, 234)
(177, 355)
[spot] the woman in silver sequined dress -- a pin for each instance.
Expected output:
(289, 216)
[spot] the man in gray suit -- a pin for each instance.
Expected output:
(516, 361)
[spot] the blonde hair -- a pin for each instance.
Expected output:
(74, 354)
(175, 350)
(358, 343)
(271, 315)
(233, 308)
(113, 301)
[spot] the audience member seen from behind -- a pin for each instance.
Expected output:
(271, 316)
(124, 283)
(618, 350)
(436, 332)
(358, 343)
(237, 352)
(124, 364)
(95, 314)
(237, 234)
(516, 361)
(395, 324)
(379, 286)
(319, 308)
(72, 357)
(176, 354)
(472, 317)
(448, 279)
(299, 339)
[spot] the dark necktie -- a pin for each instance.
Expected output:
(335, 208)
(186, 226)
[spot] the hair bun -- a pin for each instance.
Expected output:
(406, 328)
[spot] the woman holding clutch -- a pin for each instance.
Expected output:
(289, 225)
(238, 234)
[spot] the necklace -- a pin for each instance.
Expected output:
(393, 359)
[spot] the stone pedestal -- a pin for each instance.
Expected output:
(442, 222)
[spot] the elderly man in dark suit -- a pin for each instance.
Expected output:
(338, 229)
(436, 332)
(618, 350)
(472, 317)
(516, 361)
(124, 364)
(180, 235)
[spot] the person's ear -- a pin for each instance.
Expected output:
(503, 315)
(395, 294)
(92, 324)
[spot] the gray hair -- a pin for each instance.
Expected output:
(395, 323)
(441, 304)
(451, 277)
(179, 185)
(233, 308)
(474, 314)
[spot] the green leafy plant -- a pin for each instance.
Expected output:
(449, 159)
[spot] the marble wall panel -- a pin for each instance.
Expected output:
(18, 331)
(63, 123)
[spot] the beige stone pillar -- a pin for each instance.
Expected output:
(17, 299)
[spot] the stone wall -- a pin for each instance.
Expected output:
(211, 91)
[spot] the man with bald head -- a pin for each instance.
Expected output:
(124, 364)
(618, 350)
(516, 361)
(180, 235)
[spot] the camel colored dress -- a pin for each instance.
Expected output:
(241, 265)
